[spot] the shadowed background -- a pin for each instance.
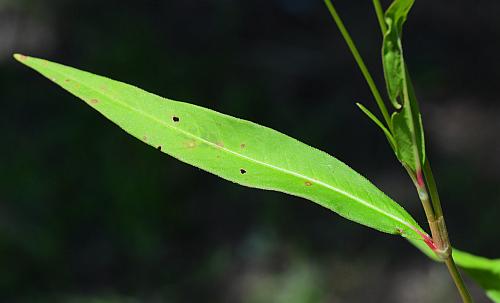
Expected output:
(90, 214)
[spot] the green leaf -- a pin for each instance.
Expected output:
(379, 124)
(392, 50)
(234, 149)
(484, 271)
(406, 121)
(408, 131)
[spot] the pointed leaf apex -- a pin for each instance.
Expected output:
(20, 57)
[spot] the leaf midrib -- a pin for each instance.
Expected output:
(283, 170)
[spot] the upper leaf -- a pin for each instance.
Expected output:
(392, 50)
(406, 121)
(409, 131)
(234, 149)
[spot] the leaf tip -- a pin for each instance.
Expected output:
(20, 57)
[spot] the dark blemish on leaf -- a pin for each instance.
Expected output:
(144, 138)
(242, 145)
(175, 119)
(242, 171)
(66, 80)
(159, 147)
(399, 231)
(94, 101)
(307, 183)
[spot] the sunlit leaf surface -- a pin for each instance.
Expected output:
(234, 149)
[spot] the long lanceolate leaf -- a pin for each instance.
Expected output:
(234, 149)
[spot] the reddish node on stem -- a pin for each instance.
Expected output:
(420, 178)
(428, 240)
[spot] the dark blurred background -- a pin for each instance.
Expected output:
(90, 214)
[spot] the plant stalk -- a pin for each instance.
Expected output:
(360, 62)
(457, 278)
(380, 16)
(438, 229)
(430, 199)
(431, 182)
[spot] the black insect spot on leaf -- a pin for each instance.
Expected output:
(175, 119)
(242, 171)
(159, 147)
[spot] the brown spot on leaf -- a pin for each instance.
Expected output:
(308, 183)
(21, 57)
(144, 138)
(191, 143)
(94, 101)
(242, 145)
(66, 80)
(242, 171)
(175, 119)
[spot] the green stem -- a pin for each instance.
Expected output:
(360, 62)
(422, 195)
(431, 182)
(380, 16)
(457, 278)
(440, 234)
